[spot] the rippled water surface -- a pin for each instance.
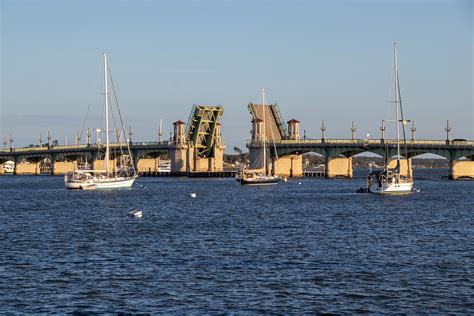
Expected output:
(292, 248)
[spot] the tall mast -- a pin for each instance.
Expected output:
(264, 133)
(397, 100)
(107, 153)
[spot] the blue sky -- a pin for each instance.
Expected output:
(318, 60)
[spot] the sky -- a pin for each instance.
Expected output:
(319, 60)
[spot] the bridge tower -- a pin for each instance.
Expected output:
(178, 152)
(197, 145)
(293, 129)
(275, 130)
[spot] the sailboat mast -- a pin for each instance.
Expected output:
(264, 133)
(397, 101)
(107, 153)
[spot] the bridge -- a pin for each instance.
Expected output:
(195, 149)
(287, 147)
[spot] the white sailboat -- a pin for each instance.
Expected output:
(391, 181)
(250, 177)
(103, 179)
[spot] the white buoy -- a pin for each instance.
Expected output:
(193, 195)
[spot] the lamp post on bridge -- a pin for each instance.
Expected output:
(49, 138)
(382, 129)
(11, 142)
(88, 136)
(413, 130)
(323, 132)
(353, 130)
(447, 129)
(130, 133)
(5, 142)
(160, 131)
(78, 139)
(41, 140)
(97, 137)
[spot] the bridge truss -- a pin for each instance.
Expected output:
(201, 128)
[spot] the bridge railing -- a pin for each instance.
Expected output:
(163, 143)
(366, 142)
(80, 146)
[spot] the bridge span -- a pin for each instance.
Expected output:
(196, 147)
(286, 153)
(287, 159)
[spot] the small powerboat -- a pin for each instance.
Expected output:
(135, 213)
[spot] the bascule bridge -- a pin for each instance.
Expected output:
(285, 148)
(195, 147)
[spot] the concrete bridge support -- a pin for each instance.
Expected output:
(27, 168)
(338, 167)
(101, 165)
(205, 164)
(147, 165)
(288, 166)
(1, 169)
(459, 169)
(179, 160)
(62, 167)
(404, 169)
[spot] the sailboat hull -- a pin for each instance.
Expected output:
(114, 183)
(101, 183)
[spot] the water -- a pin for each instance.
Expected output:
(313, 247)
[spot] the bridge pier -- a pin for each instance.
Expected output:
(179, 159)
(459, 169)
(288, 166)
(338, 167)
(100, 164)
(188, 157)
(1, 169)
(204, 164)
(62, 167)
(147, 165)
(27, 168)
(406, 171)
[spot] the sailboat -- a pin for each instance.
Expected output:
(252, 177)
(103, 179)
(391, 180)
